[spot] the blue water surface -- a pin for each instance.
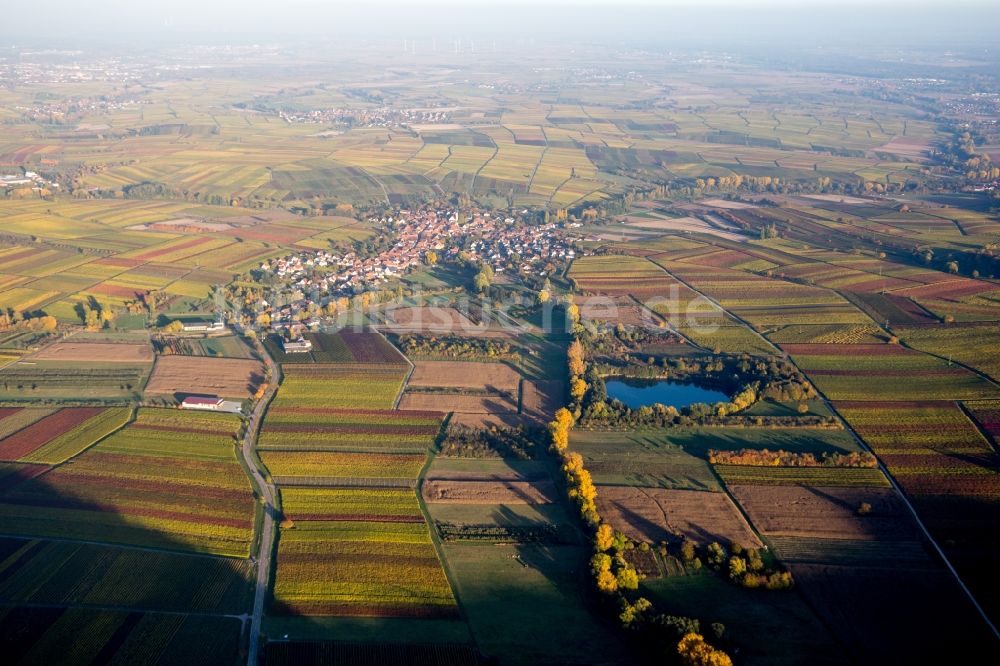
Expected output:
(639, 393)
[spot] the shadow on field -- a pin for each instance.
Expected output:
(83, 579)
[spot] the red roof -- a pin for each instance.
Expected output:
(193, 400)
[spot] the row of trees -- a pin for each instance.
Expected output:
(15, 318)
(614, 578)
(780, 458)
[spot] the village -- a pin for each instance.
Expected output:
(378, 117)
(307, 283)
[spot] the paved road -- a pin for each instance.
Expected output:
(267, 532)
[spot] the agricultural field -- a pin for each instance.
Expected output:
(504, 532)
(175, 376)
(975, 346)
(63, 434)
(80, 371)
(329, 467)
(169, 479)
(822, 209)
(354, 542)
(781, 629)
(862, 372)
(617, 274)
(40, 634)
(949, 470)
(493, 392)
(452, 483)
(349, 430)
(464, 374)
(224, 346)
(361, 347)
(95, 352)
(368, 567)
(871, 609)
(342, 386)
(64, 572)
(819, 512)
(652, 515)
(795, 476)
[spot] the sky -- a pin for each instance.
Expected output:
(58, 23)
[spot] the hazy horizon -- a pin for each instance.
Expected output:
(715, 24)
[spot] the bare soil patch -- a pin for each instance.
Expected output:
(465, 374)
(837, 198)
(658, 514)
(431, 316)
(540, 398)
(98, 352)
(829, 513)
(458, 403)
(226, 377)
(913, 148)
(726, 205)
(493, 420)
(489, 492)
(616, 310)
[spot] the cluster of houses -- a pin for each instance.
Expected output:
(315, 278)
(379, 117)
(78, 106)
(26, 179)
(28, 71)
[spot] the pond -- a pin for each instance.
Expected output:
(641, 392)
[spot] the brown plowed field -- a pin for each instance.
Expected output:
(456, 402)
(224, 377)
(658, 514)
(96, 352)
(432, 317)
(465, 374)
(489, 492)
(540, 398)
(829, 513)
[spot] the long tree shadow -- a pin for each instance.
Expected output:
(83, 578)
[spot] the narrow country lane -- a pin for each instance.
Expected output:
(267, 492)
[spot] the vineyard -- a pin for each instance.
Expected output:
(947, 467)
(374, 568)
(47, 635)
(340, 386)
(61, 572)
(867, 372)
(64, 431)
(354, 541)
(813, 476)
(341, 347)
(168, 479)
(349, 430)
